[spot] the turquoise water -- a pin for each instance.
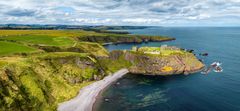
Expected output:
(197, 92)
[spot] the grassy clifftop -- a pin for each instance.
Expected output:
(9, 48)
(159, 61)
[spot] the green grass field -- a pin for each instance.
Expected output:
(7, 48)
(41, 40)
(164, 52)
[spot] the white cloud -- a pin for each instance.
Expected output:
(199, 17)
(91, 20)
(141, 20)
(121, 12)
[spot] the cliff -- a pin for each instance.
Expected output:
(42, 81)
(124, 38)
(160, 64)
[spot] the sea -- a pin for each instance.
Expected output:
(194, 92)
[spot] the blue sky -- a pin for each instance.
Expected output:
(122, 12)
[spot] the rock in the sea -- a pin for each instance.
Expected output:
(203, 54)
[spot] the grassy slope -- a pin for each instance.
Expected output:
(93, 48)
(115, 65)
(8, 48)
(40, 82)
(42, 40)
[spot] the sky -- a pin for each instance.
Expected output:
(122, 12)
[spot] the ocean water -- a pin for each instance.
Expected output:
(196, 92)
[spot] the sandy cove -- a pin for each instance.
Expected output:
(87, 95)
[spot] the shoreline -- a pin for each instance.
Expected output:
(87, 96)
(116, 43)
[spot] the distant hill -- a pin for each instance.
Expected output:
(54, 27)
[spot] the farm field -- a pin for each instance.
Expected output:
(41, 40)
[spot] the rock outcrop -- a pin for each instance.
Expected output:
(160, 65)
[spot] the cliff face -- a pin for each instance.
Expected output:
(124, 38)
(160, 65)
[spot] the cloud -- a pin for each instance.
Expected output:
(121, 12)
(199, 17)
(20, 12)
(92, 21)
(141, 20)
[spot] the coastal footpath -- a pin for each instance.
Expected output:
(87, 95)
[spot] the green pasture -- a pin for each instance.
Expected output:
(7, 48)
(41, 40)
